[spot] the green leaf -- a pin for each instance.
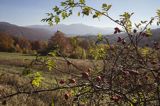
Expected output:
(126, 15)
(86, 10)
(63, 3)
(52, 102)
(125, 18)
(109, 6)
(37, 79)
(95, 16)
(50, 64)
(79, 13)
(149, 32)
(98, 52)
(64, 14)
(106, 7)
(99, 37)
(158, 12)
(57, 19)
(71, 3)
(52, 53)
(56, 9)
(82, 1)
(50, 22)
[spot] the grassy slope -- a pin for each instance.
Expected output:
(11, 67)
(9, 56)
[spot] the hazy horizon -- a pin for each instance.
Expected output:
(30, 12)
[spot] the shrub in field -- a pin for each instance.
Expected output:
(59, 41)
(6, 43)
(128, 75)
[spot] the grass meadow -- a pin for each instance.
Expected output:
(12, 66)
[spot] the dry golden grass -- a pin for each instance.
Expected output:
(11, 77)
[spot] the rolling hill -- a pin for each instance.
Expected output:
(30, 33)
(44, 32)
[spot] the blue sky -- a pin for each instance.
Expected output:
(30, 12)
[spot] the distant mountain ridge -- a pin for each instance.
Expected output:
(75, 29)
(44, 32)
(30, 33)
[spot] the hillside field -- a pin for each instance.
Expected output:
(12, 66)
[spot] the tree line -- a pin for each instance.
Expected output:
(19, 44)
(73, 47)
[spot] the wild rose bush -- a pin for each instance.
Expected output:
(129, 73)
